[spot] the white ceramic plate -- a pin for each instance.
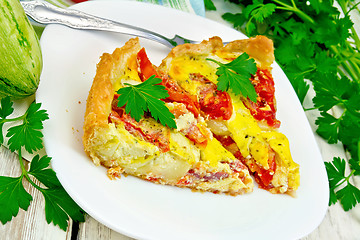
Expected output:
(145, 210)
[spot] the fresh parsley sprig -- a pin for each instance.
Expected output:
(59, 206)
(317, 46)
(236, 75)
(146, 96)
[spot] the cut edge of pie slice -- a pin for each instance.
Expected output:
(148, 150)
(248, 130)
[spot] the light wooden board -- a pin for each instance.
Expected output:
(30, 224)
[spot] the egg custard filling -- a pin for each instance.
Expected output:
(221, 142)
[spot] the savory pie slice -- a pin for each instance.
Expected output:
(188, 156)
(245, 128)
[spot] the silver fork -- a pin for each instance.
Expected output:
(46, 13)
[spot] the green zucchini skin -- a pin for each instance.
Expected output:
(20, 53)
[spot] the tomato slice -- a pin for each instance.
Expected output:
(262, 176)
(214, 104)
(159, 136)
(197, 133)
(78, 1)
(147, 69)
(176, 93)
(229, 144)
(264, 108)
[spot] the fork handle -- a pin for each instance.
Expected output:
(46, 13)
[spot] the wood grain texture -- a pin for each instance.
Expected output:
(30, 224)
(93, 230)
(338, 225)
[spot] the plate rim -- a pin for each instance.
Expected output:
(79, 6)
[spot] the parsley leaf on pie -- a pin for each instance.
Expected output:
(236, 75)
(146, 96)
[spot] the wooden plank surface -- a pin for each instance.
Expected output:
(30, 224)
(93, 230)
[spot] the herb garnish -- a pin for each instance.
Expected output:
(146, 96)
(27, 136)
(348, 195)
(236, 76)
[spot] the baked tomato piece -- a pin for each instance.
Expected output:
(147, 128)
(265, 106)
(214, 104)
(176, 93)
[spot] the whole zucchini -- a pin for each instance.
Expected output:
(20, 54)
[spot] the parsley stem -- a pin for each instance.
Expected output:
(24, 172)
(296, 10)
(357, 70)
(22, 166)
(355, 37)
(349, 70)
(293, 3)
(346, 179)
(310, 109)
(344, 8)
(13, 119)
(341, 72)
(347, 65)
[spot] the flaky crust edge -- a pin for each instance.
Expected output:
(98, 104)
(260, 48)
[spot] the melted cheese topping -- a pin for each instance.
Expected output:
(244, 129)
(215, 153)
(247, 134)
(130, 75)
(280, 144)
(181, 67)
